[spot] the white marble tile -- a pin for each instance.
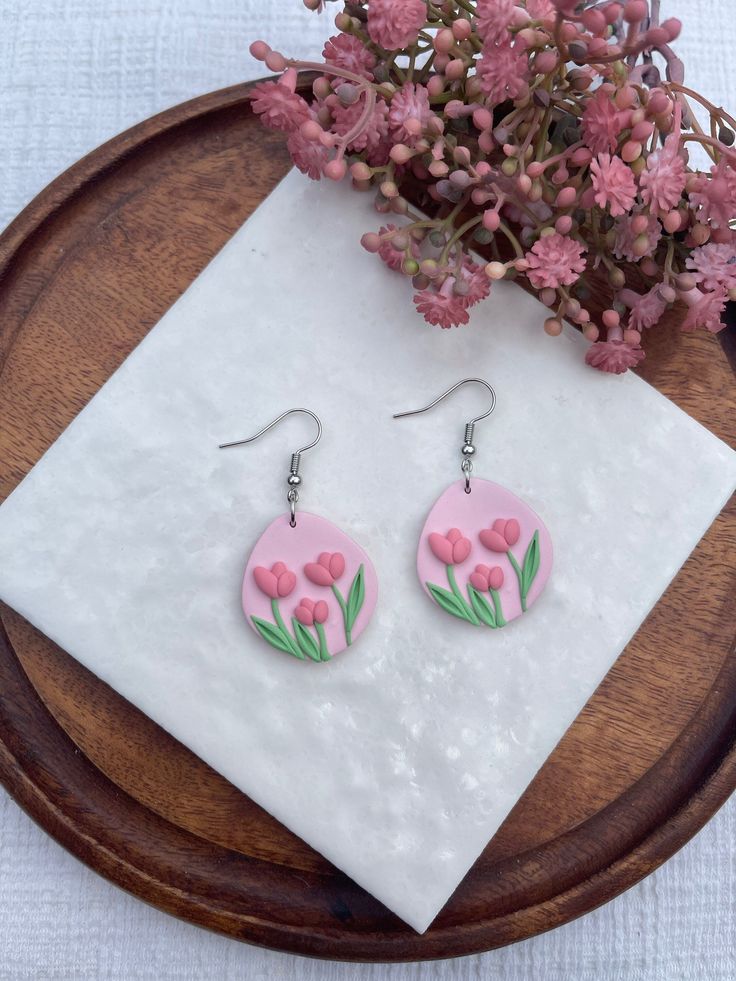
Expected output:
(398, 760)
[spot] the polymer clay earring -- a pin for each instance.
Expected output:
(484, 556)
(308, 589)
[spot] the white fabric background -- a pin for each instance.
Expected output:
(75, 72)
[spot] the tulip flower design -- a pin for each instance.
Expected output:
(499, 538)
(328, 568)
(311, 614)
(451, 549)
(277, 583)
(487, 580)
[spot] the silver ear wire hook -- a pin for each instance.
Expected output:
(468, 449)
(294, 479)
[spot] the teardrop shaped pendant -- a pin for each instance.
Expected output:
(483, 557)
(308, 590)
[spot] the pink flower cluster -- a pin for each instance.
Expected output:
(540, 132)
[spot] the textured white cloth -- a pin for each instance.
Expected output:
(75, 73)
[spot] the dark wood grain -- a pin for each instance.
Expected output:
(85, 272)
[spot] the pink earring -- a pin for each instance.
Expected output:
(308, 590)
(484, 556)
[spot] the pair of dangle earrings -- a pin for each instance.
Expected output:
(309, 590)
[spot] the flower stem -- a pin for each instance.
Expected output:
(323, 652)
(456, 592)
(287, 633)
(517, 570)
(500, 620)
(344, 608)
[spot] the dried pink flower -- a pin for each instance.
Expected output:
(348, 52)
(502, 71)
(715, 196)
(493, 18)
(663, 182)
(374, 131)
(442, 307)
(705, 309)
(602, 122)
(614, 184)
(475, 280)
(395, 24)
(555, 260)
(538, 9)
(623, 247)
(647, 310)
(392, 256)
(308, 156)
(613, 354)
(278, 105)
(410, 102)
(714, 266)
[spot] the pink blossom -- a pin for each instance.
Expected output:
(539, 9)
(326, 570)
(308, 156)
(714, 266)
(275, 582)
(393, 24)
(502, 71)
(373, 132)
(484, 578)
(623, 247)
(614, 184)
(555, 260)
(475, 280)
(308, 612)
(392, 256)
(348, 52)
(614, 354)
(502, 535)
(493, 18)
(715, 196)
(452, 548)
(410, 102)
(647, 309)
(705, 309)
(278, 105)
(602, 122)
(663, 182)
(442, 307)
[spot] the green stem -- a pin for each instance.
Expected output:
(517, 570)
(287, 633)
(323, 652)
(344, 608)
(500, 620)
(456, 592)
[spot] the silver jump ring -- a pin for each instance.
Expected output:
(292, 497)
(467, 468)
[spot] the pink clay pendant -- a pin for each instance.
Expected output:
(484, 556)
(308, 590)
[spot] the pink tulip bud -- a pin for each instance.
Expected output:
(308, 612)
(276, 582)
(450, 549)
(260, 50)
(326, 570)
(501, 537)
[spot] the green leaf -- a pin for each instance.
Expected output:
(530, 566)
(449, 602)
(356, 596)
(307, 644)
(482, 607)
(276, 637)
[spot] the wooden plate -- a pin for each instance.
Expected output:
(85, 271)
